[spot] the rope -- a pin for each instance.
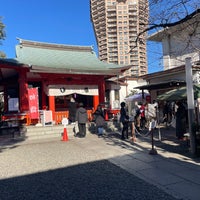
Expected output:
(142, 135)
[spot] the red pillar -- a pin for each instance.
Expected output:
(23, 92)
(102, 91)
(52, 106)
(44, 104)
(5, 99)
(95, 101)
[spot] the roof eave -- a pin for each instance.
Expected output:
(109, 72)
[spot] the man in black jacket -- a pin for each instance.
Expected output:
(81, 118)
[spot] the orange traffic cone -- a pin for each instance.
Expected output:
(65, 136)
(106, 116)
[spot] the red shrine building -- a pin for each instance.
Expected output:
(43, 77)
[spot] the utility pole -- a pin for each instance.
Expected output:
(190, 102)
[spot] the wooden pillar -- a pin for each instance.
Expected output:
(52, 106)
(102, 91)
(23, 92)
(5, 99)
(44, 96)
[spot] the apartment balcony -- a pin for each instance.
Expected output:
(102, 40)
(103, 58)
(112, 42)
(134, 55)
(112, 36)
(100, 3)
(113, 49)
(133, 7)
(142, 72)
(99, 25)
(115, 61)
(133, 32)
(112, 25)
(133, 20)
(134, 73)
(112, 30)
(143, 65)
(99, 20)
(94, 5)
(111, 9)
(103, 36)
(103, 49)
(112, 20)
(133, 38)
(132, 26)
(132, 15)
(103, 52)
(112, 45)
(113, 56)
(134, 62)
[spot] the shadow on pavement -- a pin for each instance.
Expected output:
(168, 142)
(95, 180)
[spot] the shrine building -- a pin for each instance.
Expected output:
(44, 76)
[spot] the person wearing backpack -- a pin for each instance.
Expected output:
(81, 118)
(99, 120)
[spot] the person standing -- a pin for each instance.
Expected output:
(124, 119)
(165, 112)
(180, 121)
(132, 125)
(142, 116)
(81, 118)
(72, 110)
(99, 120)
(137, 117)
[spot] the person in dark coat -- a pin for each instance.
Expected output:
(99, 120)
(180, 121)
(124, 119)
(72, 110)
(81, 118)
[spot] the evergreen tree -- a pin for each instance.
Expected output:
(2, 36)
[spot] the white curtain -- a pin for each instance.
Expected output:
(62, 90)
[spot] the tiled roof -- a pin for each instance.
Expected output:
(63, 58)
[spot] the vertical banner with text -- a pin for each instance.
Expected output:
(33, 103)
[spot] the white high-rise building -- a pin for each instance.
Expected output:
(117, 24)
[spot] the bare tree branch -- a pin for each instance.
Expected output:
(164, 24)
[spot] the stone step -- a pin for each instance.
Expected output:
(40, 132)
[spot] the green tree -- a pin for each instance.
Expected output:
(2, 36)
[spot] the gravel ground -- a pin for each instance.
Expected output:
(66, 170)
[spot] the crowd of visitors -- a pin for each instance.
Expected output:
(137, 120)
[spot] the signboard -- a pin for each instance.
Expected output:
(46, 117)
(33, 103)
(65, 122)
(13, 104)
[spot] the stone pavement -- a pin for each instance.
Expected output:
(174, 173)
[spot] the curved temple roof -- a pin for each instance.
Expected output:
(46, 57)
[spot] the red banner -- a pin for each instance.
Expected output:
(33, 103)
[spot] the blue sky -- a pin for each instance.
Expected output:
(61, 21)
